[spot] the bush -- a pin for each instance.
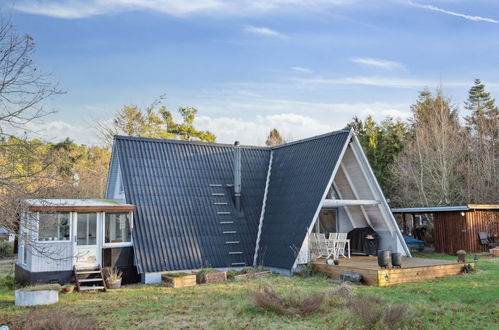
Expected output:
(6, 249)
(58, 321)
(8, 283)
(372, 310)
(342, 291)
(268, 299)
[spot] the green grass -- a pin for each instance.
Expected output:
(463, 302)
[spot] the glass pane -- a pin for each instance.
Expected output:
(53, 226)
(327, 222)
(86, 229)
(117, 228)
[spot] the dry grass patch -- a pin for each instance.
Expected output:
(267, 299)
(58, 320)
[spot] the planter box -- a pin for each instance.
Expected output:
(180, 281)
(33, 298)
(212, 277)
(251, 275)
(495, 252)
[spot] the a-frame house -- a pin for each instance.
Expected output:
(216, 205)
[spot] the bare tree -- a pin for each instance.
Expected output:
(23, 88)
(429, 171)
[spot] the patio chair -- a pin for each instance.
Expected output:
(341, 243)
(484, 239)
(325, 249)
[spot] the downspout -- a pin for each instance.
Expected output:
(262, 214)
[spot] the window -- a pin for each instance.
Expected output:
(117, 228)
(86, 229)
(53, 226)
(326, 223)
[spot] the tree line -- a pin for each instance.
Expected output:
(433, 159)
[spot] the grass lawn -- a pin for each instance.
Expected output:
(463, 302)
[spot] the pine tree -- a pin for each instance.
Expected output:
(484, 118)
(274, 138)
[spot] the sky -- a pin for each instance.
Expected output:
(305, 67)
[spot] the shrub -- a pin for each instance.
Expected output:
(8, 282)
(58, 321)
(342, 291)
(372, 310)
(6, 249)
(268, 299)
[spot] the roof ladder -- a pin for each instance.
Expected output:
(235, 252)
(230, 232)
(238, 264)
(232, 242)
(223, 213)
(226, 222)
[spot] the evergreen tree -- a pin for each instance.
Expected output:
(381, 142)
(274, 138)
(483, 120)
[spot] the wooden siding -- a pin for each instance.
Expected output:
(50, 257)
(453, 232)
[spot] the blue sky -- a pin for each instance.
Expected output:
(303, 66)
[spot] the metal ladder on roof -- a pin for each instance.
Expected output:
(219, 201)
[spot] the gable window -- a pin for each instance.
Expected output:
(117, 228)
(53, 226)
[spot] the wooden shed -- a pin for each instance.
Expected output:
(455, 227)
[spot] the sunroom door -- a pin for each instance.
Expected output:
(87, 252)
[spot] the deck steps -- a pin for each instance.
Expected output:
(89, 279)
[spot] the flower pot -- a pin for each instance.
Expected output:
(113, 284)
(461, 256)
(383, 258)
(396, 260)
(336, 262)
(68, 289)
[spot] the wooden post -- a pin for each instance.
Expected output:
(404, 224)
(413, 225)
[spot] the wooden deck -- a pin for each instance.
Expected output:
(413, 269)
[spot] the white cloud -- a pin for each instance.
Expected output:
(261, 30)
(56, 131)
(373, 62)
(392, 82)
(301, 69)
(448, 12)
(72, 9)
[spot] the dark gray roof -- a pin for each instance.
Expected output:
(299, 177)
(176, 223)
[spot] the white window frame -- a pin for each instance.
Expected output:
(117, 244)
(70, 220)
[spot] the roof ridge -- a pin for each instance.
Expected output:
(228, 145)
(215, 144)
(315, 137)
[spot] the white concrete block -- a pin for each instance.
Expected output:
(33, 298)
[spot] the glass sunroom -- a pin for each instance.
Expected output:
(57, 235)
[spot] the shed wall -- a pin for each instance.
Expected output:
(453, 232)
